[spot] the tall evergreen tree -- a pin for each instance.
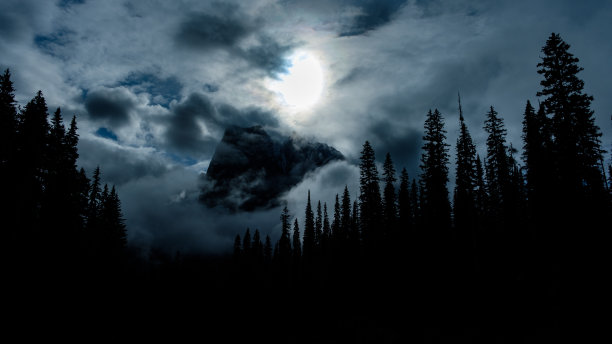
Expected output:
(370, 200)
(267, 250)
(389, 199)
(403, 203)
(284, 243)
(8, 119)
(246, 244)
(576, 145)
(464, 202)
(345, 215)
(415, 202)
(318, 225)
(435, 206)
(309, 231)
(336, 222)
(297, 245)
(497, 169)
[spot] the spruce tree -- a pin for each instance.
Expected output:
(309, 231)
(318, 226)
(403, 203)
(576, 145)
(389, 199)
(297, 245)
(247, 244)
(284, 243)
(8, 122)
(497, 169)
(465, 179)
(370, 199)
(345, 215)
(435, 206)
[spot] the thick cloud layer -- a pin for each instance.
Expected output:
(155, 85)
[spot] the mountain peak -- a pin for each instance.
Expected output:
(250, 169)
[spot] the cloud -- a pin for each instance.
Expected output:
(209, 31)
(269, 55)
(119, 164)
(112, 106)
(371, 14)
(196, 125)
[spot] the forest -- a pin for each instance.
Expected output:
(406, 259)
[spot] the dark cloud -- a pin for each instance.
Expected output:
(119, 165)
(372, 14)
(161, 90)
(269, 55)
(110, 105)
(213, 30)
(185, 133)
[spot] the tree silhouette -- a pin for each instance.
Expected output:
(464, 200)
(435, 206)
(309, 231)
(370, 200)
(389, 199)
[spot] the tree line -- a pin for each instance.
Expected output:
(507, 220)
(55, 218)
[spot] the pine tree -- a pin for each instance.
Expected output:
(465, 179)
(404, 204)
(31, 159)
(318, 226)
(284, 243)
(345, 215)
(257, 247)
(389, 199)
(435, 206)
(8, 122)
(576, 146)
(336, 222)
(497, 169)
(481, 198)
(309, 231)
(94, 201)
(370, 200)
(246, 244)
(297, 245)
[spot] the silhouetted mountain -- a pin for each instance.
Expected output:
(251, 169)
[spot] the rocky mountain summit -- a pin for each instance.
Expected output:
(251, 168)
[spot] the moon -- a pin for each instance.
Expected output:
(301, 87)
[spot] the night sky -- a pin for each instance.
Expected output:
(154, 84)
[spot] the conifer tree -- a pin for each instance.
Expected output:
(497, 169)
(403, 203)
(389, 199)
(465, 179)
(309, 231)
(297, 245)
(318, 225)
(94, 201)
(246, 244)
(576, 146)
(354, 231)
(336, 222)
(284, 243)
(345, 215)
(257, 246)
(435, 206)
(370, 200)
(8, 121)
